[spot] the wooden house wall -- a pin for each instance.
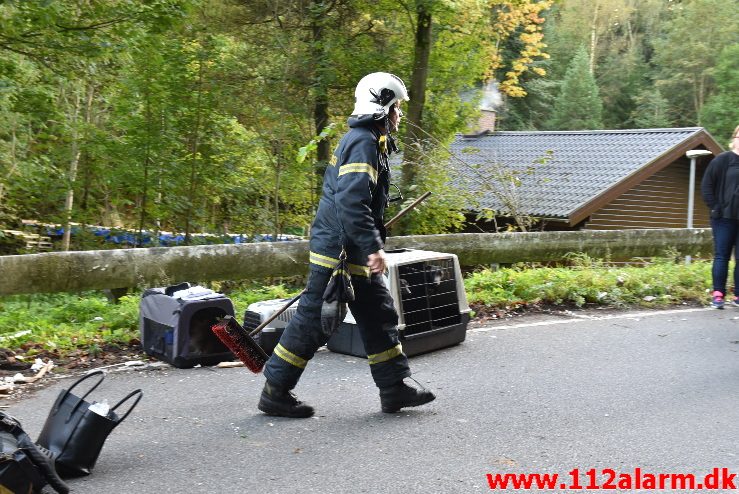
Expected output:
(660, 201)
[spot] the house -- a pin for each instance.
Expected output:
(584, 180)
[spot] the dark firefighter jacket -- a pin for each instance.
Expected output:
(355, 193)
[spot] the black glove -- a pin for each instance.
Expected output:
(337, 294)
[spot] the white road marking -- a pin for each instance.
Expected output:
(581, 318)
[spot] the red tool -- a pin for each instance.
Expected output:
(241, 342)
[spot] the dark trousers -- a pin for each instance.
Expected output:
(377, 321)
(725, 239)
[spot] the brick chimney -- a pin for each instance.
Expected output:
(490, 100)
(486, 123)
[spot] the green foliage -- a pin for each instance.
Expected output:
(651, 110)
(244, 297)
(312, 145)
(720, 115)
(621, 76)
(64, 322)
(662, 282)
(188, 115)
(578, 105)
(686, 53)
(533, 111)
(655, 63)
(443, 211)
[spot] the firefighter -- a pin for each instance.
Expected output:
(350, 217)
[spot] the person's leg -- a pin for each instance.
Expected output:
(377, 322)
(735, 300)
(724, 236)
(298, 343)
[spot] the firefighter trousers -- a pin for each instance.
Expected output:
(377, 321)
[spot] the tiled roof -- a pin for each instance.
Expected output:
(581, 165)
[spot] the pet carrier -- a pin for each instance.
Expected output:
(175, 325)
(428, 294)
(430, 300)
(259, 312)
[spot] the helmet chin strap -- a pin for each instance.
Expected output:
(391, 146)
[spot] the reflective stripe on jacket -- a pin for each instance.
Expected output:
(352, 205)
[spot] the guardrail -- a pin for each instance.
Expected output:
(120, 268)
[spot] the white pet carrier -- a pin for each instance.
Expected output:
(429, 297)
(428, 291)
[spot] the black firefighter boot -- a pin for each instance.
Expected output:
(401, 395)
(282, 402)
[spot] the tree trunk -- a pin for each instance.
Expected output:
(75, 158)
(278, 176)
(320, 77)
(72, 173)
(13, 160)
(146, 163)
(593, 37)
(413, 152)
(194, 145)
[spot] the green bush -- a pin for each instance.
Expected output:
(659, 283)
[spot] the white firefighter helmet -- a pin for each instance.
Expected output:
(377, 92)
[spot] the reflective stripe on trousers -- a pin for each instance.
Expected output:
(377, 322)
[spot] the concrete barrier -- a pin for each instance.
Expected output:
(76, 271)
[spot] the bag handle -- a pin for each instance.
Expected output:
(44, 462)
(67, 392)
(128, 397)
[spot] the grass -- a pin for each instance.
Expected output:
(660, 283)
(62, 324)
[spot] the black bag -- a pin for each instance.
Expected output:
(24, 467)
(337, 294)
(75, 434)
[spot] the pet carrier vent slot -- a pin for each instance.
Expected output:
(252, 320)
(429, 296)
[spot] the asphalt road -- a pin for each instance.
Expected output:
(657, 391)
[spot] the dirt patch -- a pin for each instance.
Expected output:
(71, 363)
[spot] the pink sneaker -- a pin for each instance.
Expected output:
(718, 300)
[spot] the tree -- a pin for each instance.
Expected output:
(49, 33)
(651, 110)
(720, 115)
(686, 54)
(578, 105)
(460, 42)
(73, 47)
(619, 36)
